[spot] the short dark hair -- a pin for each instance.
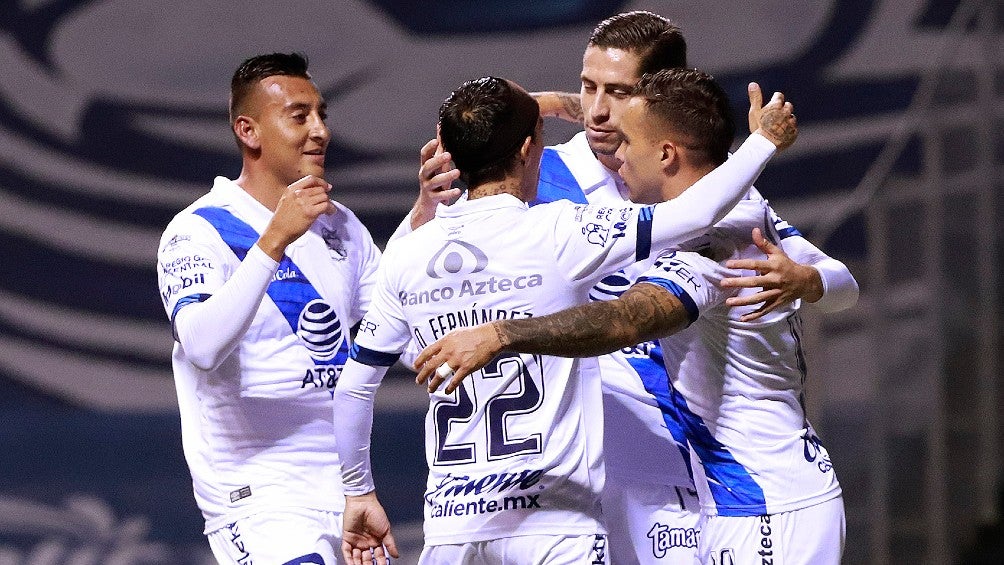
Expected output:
(657, 41)
(694, 105)
(252, 70)
(483, 125)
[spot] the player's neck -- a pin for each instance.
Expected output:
(510, 185)
(266, 189)
(609, 161)
(674, 185)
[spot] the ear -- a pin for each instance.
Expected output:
(524, 151)
(670, 158)
(246, 130)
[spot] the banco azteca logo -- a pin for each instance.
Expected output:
(456, 257)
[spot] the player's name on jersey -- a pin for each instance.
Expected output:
(470, 288)
(443, 324)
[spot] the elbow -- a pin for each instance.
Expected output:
(851, 295)
(200, 353)
(203, 358)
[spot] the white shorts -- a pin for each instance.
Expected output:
(809, 536)
(289, 536)
(651, 524)
(521, 550)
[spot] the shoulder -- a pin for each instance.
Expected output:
(187, 220)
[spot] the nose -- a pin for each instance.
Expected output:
(319, 131)
(600, 108)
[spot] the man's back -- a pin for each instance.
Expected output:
(516, 449)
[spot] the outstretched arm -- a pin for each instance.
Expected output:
(564, 105)
(643, 312)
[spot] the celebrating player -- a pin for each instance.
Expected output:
(515, 464)
(765, 482)
(262, 278)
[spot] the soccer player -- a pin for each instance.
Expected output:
(650, 500)
(514, 455)
(262, 279)
(766, 484)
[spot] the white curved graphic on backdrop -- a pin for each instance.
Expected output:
(384, 83)
(83, 531)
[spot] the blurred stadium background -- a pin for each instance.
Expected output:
(113, 117)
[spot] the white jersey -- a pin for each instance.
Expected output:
(738, 385)
(513, 452)
(256, 429)
(642, 442)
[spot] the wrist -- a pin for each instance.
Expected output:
(502, 337)
(273, 245)
(422, 212)
(371, 495)
(814, 284)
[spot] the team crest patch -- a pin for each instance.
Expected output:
(335, 246)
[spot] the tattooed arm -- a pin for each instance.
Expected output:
(643, 312)
(564, 105)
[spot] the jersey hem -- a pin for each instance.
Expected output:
(481, 534)
(755, 510)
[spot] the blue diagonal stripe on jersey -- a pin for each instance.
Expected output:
(643, 247)
(651, 370)
(556, 181)
(291, 294)
(735, 491)
(789, 232)
(610, 287)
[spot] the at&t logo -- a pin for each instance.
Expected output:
(320, 330)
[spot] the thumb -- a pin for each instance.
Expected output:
(390, 544)
(756, 103)
(762, 243)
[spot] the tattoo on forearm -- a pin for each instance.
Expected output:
(501, 334)
(644, 312)
(572, 104)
